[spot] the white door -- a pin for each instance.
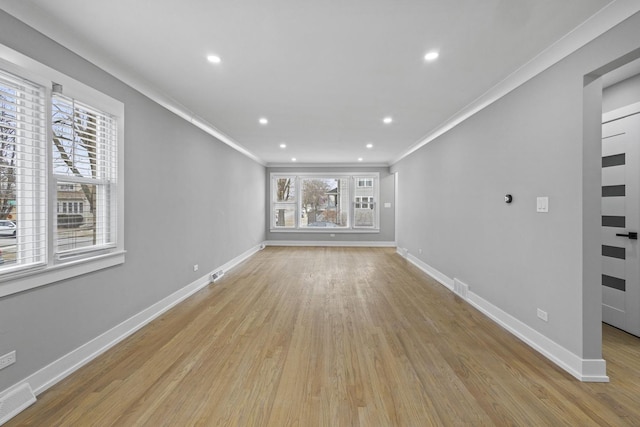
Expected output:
(621, 218)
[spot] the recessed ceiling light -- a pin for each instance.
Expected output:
(360, 159)
(369, 145)
(431, 56)
(283, 145)
(387, 120)
(263, 121)
(214, 59)
(293, 159)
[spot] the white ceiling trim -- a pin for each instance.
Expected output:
(179, 110)
(607, 18)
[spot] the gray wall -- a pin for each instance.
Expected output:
(387, 215)
(529, 143)
(182, 208)
(621, 94)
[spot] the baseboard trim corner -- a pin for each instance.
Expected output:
(586, 370)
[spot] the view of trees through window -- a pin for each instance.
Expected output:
(7, 153)
(74, 155)
(60, 181)
(324, 202)
(84, 166)
(8, 158)
(285, 203)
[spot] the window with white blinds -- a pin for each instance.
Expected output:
(61, 176)
(85, 170)
(23, 193)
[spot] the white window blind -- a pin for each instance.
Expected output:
(61, 176)
(22, 171)
(84, 155)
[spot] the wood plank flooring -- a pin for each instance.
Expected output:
(334, 337)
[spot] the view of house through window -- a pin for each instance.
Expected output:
(76, 225)
(324, 202)
(84, 167)
(22, 172)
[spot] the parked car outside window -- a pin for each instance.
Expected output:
(7, 228)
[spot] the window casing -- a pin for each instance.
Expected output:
(324, 202)
(61, 176)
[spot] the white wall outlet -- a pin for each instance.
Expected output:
(542, 204)
(543, 315)
(387, 205)
(7, 359)
(420, 251)
(195, 267)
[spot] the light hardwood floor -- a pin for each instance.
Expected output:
(334, 337)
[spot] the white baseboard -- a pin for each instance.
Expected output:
(588, 370)
(14, 401)
(443, 279)
(71, 362)
(320, 243)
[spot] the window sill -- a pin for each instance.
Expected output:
(327, 230)
(25, 280)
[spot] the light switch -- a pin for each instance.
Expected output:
(542, 204)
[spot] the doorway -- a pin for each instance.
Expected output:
(621, 216)
(597, 89)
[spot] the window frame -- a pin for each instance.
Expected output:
(352, 177)
(104, 183)
(57, 268)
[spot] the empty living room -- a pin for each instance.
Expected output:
(283, 213)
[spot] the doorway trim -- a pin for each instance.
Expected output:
(591, 214)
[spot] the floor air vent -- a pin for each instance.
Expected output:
(15, 402)
(217, 275)
(460, 288)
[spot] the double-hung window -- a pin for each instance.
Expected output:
(324, 202)
(84, 160)
(61, 170)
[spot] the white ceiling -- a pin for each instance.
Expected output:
(325, 73)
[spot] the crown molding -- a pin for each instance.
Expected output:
(608, 17)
